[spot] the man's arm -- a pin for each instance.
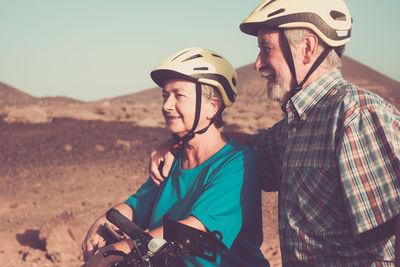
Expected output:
(162, 154)
(242, 138)
(397, 242)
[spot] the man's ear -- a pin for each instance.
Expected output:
(310, 48)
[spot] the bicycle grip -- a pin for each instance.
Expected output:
(125, 225)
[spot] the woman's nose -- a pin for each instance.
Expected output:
(259, 62)
(168, 103)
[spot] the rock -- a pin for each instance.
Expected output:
(67, 147)
(64, 236)
(123, 144)
(99, 148)
(28, 114)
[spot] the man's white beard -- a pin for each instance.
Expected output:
(278, 89)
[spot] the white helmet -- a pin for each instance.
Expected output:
(330, 20)
(201, 66)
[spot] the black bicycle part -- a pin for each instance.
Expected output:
(198, 243)
(112, 236)
(181, 239)
(127, 226)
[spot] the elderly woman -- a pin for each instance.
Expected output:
(213, 184)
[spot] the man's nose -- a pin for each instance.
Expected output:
(259, 62)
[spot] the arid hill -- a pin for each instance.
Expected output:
(143, 108)
(64, 162)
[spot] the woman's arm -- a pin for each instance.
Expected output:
(189, 221)
(126, 246)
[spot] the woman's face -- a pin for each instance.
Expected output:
(179, 106)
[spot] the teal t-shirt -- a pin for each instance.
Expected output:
(223, 193)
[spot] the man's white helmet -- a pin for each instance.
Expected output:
(330, 20)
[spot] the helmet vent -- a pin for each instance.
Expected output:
(180, 55)
(267, 4)
(192, 57)
(200, 68)
(216, 55)
(234, 81)
(336, 15)
(276, 12)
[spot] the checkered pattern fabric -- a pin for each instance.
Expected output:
(335, 160)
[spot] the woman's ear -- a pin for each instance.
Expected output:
(213, 107)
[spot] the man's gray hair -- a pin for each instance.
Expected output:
(297, 35)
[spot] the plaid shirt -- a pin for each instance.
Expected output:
(335, 160)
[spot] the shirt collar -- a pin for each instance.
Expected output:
(310, 95)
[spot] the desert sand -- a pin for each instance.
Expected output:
(64, 162)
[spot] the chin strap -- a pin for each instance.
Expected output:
(287, 52)
(181, 141)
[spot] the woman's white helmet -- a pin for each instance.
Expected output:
(202, 66)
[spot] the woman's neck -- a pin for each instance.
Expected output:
(202, 147)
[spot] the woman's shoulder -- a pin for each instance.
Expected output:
(234, 151)
(237, 147)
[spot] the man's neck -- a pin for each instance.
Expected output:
(318, 73)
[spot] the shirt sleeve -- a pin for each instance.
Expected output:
(268, 144)
(142, 203)
(368, 159)
(231, 190)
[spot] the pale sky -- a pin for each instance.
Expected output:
(94, 49)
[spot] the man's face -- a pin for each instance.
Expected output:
(272, 65)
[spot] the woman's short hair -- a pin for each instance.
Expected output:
(209, 92)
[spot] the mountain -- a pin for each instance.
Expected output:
(252, 111)
(11, 96)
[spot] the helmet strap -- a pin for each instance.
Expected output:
(181, 141)
(287, 53)
(289, 60)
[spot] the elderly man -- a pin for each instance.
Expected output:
(335, 156)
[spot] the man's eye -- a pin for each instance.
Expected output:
(267, 49)
(264, 48)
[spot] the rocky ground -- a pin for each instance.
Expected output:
(58, 177)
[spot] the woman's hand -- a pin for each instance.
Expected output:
(94, 239)
(161, 154)
(98, 260)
